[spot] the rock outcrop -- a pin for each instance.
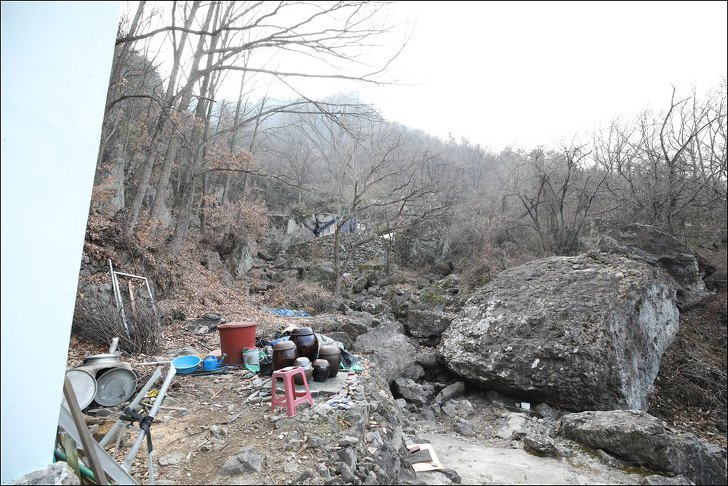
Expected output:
(642, 439)
(647, 244)
(581, 333)
(392, 354)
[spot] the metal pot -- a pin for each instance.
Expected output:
(115, 386)
(84, 386)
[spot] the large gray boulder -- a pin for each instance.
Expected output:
(640, 438)
(581, 333)
(392, 354)
(346, 328)
(647, 244)
(423, 323)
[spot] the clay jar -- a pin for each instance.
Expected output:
(306, 342)
(320, 370)
(304, 363)
(284, 354)
(332, 354)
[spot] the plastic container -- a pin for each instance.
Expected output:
(251, 357)
(234, 337)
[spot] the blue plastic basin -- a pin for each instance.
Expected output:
(186, 364)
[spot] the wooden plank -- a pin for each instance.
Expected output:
(86, 440)
(111, 467)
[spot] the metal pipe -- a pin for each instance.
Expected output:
(152, 413)
(84, 470)
(117, 294)
(154, 307)
(130, 275)
(133, 405)
(114, 345)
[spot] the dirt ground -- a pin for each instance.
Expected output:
(205, 402)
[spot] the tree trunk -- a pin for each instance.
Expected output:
(337, 269)
(141, 191)
(185, 98)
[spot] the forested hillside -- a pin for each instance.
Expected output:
(236, 205)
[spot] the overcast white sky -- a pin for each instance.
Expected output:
(523, 73)
(530, 73)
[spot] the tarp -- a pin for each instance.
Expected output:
(287, 312)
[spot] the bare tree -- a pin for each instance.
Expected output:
(670, 170)
(559, 196)
(235, 37)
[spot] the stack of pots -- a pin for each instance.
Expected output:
(103, 378)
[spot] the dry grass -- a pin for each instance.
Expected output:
(691, 390)
(301, 295)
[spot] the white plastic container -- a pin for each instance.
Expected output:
(251, 357)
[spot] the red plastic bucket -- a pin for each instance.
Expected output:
(234, 337)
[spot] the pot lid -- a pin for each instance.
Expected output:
(321, 363)
(302, 362)
(329, 350)
(302, 331)
(102, 358)
(84, 386)
(284, 345)
(115, 386)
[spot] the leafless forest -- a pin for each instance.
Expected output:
(176, 157)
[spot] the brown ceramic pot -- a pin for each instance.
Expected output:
(332, 354)
(320, 370)
(284, 354)
(306, 342)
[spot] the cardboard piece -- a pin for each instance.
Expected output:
(432, 465)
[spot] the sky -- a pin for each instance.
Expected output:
(524, 74)
(536, 73)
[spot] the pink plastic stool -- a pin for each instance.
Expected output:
(291, 398)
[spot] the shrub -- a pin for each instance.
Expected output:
(99, 321)
(296, 294)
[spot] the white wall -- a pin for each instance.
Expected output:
(56, 61)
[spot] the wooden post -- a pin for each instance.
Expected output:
(86, 439)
